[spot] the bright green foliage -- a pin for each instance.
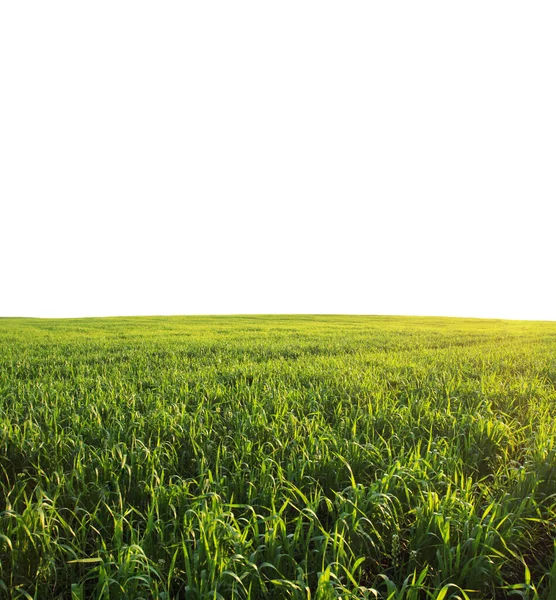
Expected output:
(277, 457)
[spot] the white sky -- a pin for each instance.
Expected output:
(278, 157)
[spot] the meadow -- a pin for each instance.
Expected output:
(303, 457)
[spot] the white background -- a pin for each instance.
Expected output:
(278, 157)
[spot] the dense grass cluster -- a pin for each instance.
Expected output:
(277, 457)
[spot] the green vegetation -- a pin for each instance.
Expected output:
(277, 457)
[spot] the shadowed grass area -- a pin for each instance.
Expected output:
(277, 457)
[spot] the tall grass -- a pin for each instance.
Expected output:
(277, 457)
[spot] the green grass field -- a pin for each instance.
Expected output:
(277, 457)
